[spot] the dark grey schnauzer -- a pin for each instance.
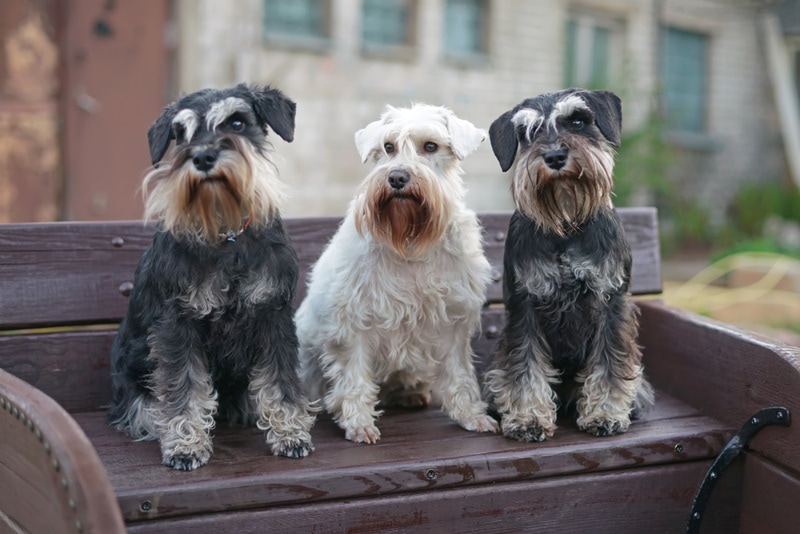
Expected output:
(209, 326)
(566, 270)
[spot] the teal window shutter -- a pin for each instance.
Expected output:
(684, 76)
(301, 18)
(591, 42)
(601, 48)
(571, 54)
(464, 24)
(386, 22)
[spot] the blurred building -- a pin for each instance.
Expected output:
(700, 63)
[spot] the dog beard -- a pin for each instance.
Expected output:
(204, 205)
(560, 201)
(213, 205)
(409, 220)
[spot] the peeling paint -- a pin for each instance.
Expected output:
(30, 156)
(29, 166)
(31, 61)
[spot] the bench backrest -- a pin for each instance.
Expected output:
(64, 287)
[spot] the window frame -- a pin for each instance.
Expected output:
(586, 24)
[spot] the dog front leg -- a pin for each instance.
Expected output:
(458, 388)
(613, 377)
(520, 380)
(186, 399)
(282, 407)
(352, 396)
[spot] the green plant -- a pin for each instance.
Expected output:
(643, 160)
(755, 202)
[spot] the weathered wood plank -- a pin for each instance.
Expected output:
(654, 499)
(52, 479)
(419, 451)
(769, 498)
(71, 367)
(71, 273)
(726, 372)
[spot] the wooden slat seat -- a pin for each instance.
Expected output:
(419, 451)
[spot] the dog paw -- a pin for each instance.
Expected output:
(363, 434)
(293, 448)
(528, 433)
(480, 423)
(604, 427)
(186, 461)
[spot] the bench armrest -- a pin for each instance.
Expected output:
(53, 480)
(725, 372)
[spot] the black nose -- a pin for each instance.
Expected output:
(555, 159)
(204, 160)
(398, 178)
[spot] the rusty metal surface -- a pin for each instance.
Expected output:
(30, 158)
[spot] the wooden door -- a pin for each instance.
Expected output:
(115, 61)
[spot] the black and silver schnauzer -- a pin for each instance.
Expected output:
(209, 327)
(566, 270)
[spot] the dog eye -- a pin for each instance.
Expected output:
(430, 147)
(389, 148)
(576, 124)
(237, 125)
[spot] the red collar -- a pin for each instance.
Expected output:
(231, 236)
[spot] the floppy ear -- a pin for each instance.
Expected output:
(160, 134)
(465, 138)
(368, 139)
(607, 109)
(503, 136)
(275, 109)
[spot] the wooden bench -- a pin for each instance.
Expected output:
(63, 289)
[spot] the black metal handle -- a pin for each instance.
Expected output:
(776, 415)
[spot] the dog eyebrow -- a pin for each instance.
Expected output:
(188, 119)
(219, 111)
(530, 118)
(565, 108)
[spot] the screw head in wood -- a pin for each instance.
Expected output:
(125, 289)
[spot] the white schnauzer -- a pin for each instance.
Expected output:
(396, 295)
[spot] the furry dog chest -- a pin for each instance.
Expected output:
(569, 280)
(408, 313)
(423, 294)
(227, 283)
